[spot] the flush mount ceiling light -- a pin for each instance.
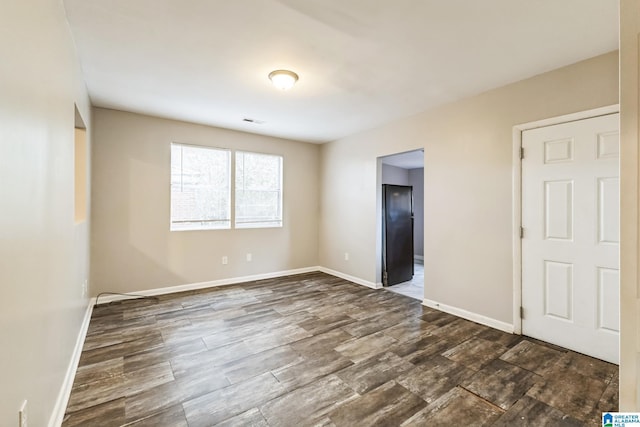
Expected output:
(283, 79)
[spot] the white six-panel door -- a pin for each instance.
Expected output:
(570, 215)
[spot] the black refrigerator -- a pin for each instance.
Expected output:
(397, 234)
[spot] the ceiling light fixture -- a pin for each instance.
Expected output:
(283, 79)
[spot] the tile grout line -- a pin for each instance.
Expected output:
(488, 402)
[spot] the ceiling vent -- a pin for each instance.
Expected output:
(254, 121)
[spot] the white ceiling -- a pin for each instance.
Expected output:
(361, 62)
(409, 160)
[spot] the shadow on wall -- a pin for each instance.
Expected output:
(143, 266)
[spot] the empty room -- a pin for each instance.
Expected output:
(337, 213)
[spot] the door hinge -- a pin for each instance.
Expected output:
(521, 312)
(521, 153)
(521, 232)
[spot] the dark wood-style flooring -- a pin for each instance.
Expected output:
(314, 349)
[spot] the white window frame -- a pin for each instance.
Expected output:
(203, 223)
(266, 223)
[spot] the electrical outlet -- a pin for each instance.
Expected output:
(225, 260)
(22, 415)
(249, 257)
(346, 256)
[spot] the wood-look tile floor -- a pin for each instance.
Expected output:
(314, 349)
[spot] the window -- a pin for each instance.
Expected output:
(258, 190)
(200, 188)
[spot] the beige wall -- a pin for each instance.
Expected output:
(467, 188)
(132, 247)
(629, 288)
(43, 253)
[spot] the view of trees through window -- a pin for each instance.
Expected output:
(258, 190)
(201, 189)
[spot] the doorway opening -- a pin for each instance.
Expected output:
(400, 254)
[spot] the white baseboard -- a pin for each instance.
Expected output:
(235, 280)
(59, 409)
(202, 285)
(353, 279)
(474, 317)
